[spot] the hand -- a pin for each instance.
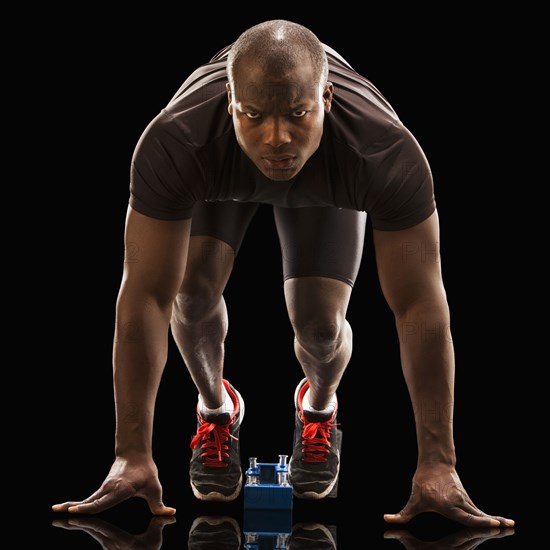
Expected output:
(127, 479)
(439, 489)
(114, 538)
(466, 539)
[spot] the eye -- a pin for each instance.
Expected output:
(253, 115)
(298, 114)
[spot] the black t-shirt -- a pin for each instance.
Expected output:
(367, 159)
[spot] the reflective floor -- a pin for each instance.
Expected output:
(227, 532)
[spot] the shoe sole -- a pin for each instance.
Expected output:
(215, 495)
(218, 497)
(311, 495)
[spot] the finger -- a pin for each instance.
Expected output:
(161, 510)
(505, 522)
(471, 520)
(104, 503)
(400, 518)
(64, 506)
(474, 511)
(154, 501)
(410, 510)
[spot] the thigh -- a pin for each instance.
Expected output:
(217, 231)
(226, 221)
(321, 242)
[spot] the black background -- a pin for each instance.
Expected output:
(440, 72)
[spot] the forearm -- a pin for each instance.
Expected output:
(427, 358)
(139, 357)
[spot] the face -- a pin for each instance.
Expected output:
(278, 118)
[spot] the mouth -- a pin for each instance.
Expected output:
(279, 162)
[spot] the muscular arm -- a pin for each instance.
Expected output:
(410, 276)
(154, 265)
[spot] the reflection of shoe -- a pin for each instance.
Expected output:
(215, 467)
(315, 461)
(313, 535)
(214, 533)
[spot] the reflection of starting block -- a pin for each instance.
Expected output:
(267, 529)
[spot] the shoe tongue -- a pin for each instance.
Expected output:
(220, 419)
(314, 416)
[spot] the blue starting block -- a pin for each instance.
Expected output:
(267, 485)
(267, 505)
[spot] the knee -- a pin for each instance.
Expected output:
(424, 321)
(323, 339)
(193, 306)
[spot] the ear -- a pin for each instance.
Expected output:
(328, 93)
(229, 100)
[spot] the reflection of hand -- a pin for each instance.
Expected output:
(113, 538)
(466, 539)
(438, 489)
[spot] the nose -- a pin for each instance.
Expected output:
(276, 132)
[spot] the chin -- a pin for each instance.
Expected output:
(281, 175)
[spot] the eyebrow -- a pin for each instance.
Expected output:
(293, 107)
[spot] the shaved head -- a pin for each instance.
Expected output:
(278, 46)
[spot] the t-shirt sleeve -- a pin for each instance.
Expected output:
(401, 191)
(166, 178)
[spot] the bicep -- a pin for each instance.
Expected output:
(155, 255)
(409, 264)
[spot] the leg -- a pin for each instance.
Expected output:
(322, 250)
(199, 326)
(323, 337)
(199, 319)
(199, 315)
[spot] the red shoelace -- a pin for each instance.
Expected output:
(316, 448)
(214, 439)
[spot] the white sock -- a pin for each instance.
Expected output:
(226, 407)
(307, 405)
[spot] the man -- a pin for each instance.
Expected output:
(277, 118)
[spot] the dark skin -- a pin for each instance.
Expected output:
(279, 131)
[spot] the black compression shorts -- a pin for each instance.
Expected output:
(315, 241)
